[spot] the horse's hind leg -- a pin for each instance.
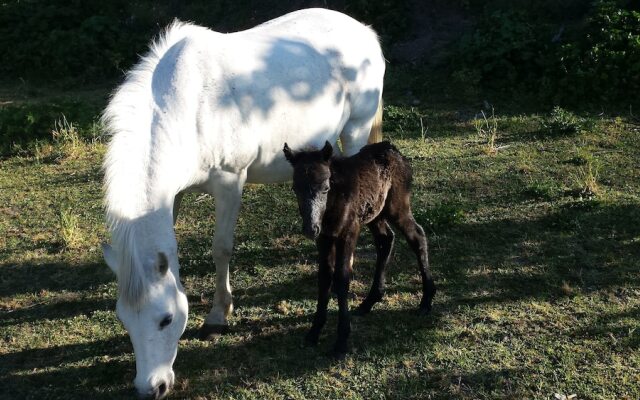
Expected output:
(383, 239)
(227, 191)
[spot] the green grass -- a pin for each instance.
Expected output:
(538, 275)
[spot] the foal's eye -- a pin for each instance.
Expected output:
(166, 321)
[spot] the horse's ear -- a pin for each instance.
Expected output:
(289, 154)
(327, 151)
(163, 264)
(110, 257)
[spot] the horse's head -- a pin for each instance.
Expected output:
(311, 177)
(153, 309)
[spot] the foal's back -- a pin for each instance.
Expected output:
(374, 179)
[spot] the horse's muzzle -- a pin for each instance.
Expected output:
(159, 392)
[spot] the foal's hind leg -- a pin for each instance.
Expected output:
(418, 241)
(383, 239)
(399, 212)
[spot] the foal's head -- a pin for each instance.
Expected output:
(311, 175)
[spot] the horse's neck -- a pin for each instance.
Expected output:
(150, 230)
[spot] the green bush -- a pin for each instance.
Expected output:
(504, 48)
(561, 121)
(92, 41)
(604, 62)
(21, 125)
(592, 54)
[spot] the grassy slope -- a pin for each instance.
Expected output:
(539, 289)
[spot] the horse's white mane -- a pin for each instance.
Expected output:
(127, 119)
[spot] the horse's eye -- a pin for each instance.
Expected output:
(166, 321)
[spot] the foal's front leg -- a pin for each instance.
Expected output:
(326, 262)
(341, 279)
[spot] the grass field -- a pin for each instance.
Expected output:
(534, 227)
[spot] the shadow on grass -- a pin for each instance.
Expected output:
(29, 278)
(54, 372)
(452, 384)
(589, 248)
(55, 310)
(620, 328)
(271, 350)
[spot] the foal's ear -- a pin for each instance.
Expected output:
(110, 257)
(163, 264)
(289, 154)
(327, 151)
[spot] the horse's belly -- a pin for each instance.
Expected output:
(276, 171)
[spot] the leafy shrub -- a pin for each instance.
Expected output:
(592, 54)
(604, 62)
(92, 40)
(404, 120)
(503, 48)
(561, 121)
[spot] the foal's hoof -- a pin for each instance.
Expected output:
(339, 353)
(209, 332)
(361, 311)
(424, 310)
(311, 339)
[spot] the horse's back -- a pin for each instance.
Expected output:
(229, 101)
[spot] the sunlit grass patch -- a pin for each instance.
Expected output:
(537, 287)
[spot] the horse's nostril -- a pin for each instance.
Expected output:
(316, 230)
(162, 389)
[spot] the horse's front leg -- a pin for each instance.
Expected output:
(176, 206)
(227, 190)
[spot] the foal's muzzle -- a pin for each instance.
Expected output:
(311, 231)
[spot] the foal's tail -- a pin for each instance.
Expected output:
(375, 136)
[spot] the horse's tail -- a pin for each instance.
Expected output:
(375, 135)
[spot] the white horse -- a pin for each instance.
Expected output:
(205, 111)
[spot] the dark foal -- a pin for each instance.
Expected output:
(336, 196)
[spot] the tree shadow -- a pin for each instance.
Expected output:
(55, 310)
(587, 247)
(454, 384)
(612, 328)
(33, 278)
(105, 368)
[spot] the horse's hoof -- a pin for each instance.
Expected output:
(210, 332)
